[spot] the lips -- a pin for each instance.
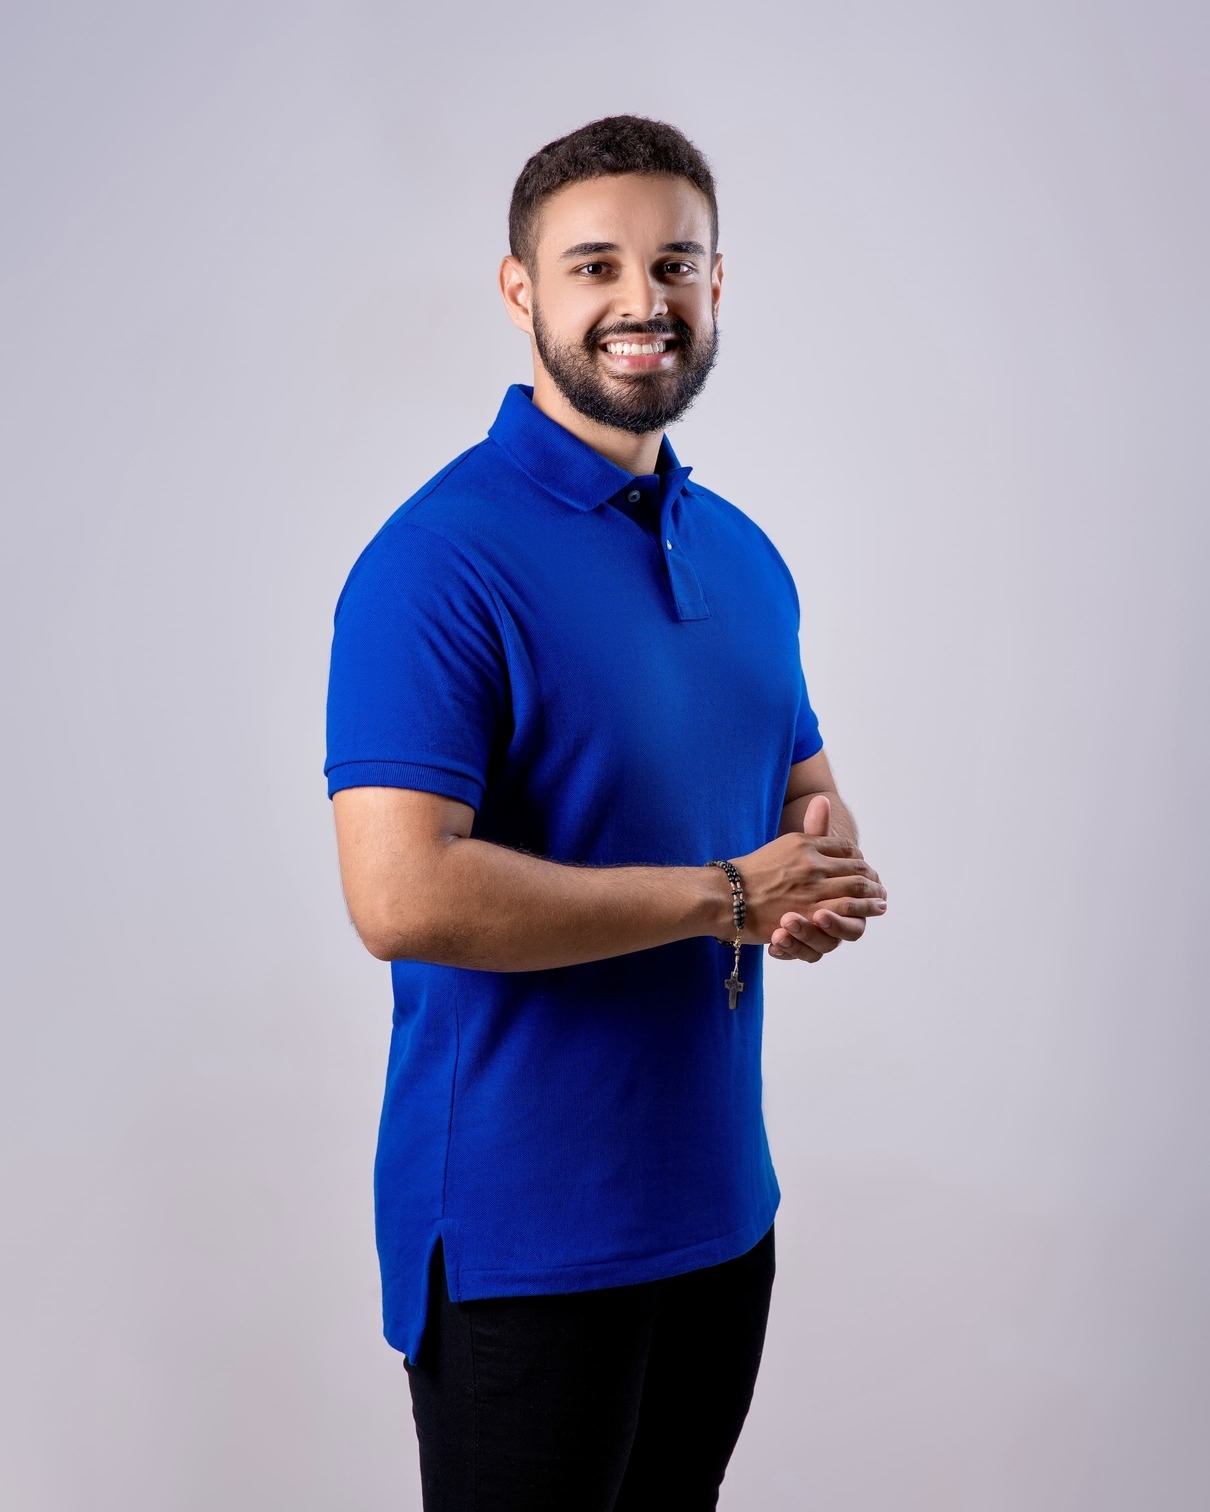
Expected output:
(640, 351)
(650, 348)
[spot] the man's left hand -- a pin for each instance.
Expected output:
(801, 939)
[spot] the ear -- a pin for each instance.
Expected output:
(516, 289)
(716, 281)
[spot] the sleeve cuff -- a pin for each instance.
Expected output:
(806, 745)
(405, 774)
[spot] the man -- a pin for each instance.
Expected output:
(565, 685)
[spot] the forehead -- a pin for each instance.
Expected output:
(631, 209)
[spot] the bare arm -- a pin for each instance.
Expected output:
(419, 887)
(806, 779)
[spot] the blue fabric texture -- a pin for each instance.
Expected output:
(607, 680)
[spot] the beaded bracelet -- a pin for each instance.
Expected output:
(732, 983)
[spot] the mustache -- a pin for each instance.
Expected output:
(672, 326)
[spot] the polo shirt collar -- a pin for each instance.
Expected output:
(563, 464)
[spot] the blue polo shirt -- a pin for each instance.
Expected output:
(607, 669)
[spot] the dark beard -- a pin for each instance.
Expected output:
(637, 402)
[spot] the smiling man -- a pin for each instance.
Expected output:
(578, 785)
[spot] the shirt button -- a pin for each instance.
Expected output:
(668, 544)
(634, 495)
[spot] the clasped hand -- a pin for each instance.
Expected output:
(833, 919)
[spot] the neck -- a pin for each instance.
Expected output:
(635, 454)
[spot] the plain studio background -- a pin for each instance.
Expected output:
(249, 306)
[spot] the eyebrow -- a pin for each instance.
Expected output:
(590, 249)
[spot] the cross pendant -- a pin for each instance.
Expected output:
(734, 986)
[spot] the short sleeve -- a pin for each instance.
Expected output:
(807, 739)
(418, 683)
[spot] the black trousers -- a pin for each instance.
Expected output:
(626, 1398)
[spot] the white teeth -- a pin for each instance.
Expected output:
(633, 348)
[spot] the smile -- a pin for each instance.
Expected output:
(635, 348)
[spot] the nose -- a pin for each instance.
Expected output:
(639, 296)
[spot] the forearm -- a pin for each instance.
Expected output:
(491, 908)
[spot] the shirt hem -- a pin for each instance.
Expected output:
(474, 1283)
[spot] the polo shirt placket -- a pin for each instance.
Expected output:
(607, 681)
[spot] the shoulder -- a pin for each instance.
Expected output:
(448, 502)
(450, 506)
(431, 535)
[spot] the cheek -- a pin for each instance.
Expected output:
(696, 311)
(576, 312)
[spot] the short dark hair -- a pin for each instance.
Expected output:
(614, 144)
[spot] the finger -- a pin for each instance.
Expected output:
(849, 908)
(828, 865)
(839, 866)
(794, 952)
(842, 853)
(818, 816)
(846, 885)
(836, 845)
(795, 930)
(841, 929)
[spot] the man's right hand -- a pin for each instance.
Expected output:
(803, 874)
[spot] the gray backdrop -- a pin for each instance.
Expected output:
(249, 306)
